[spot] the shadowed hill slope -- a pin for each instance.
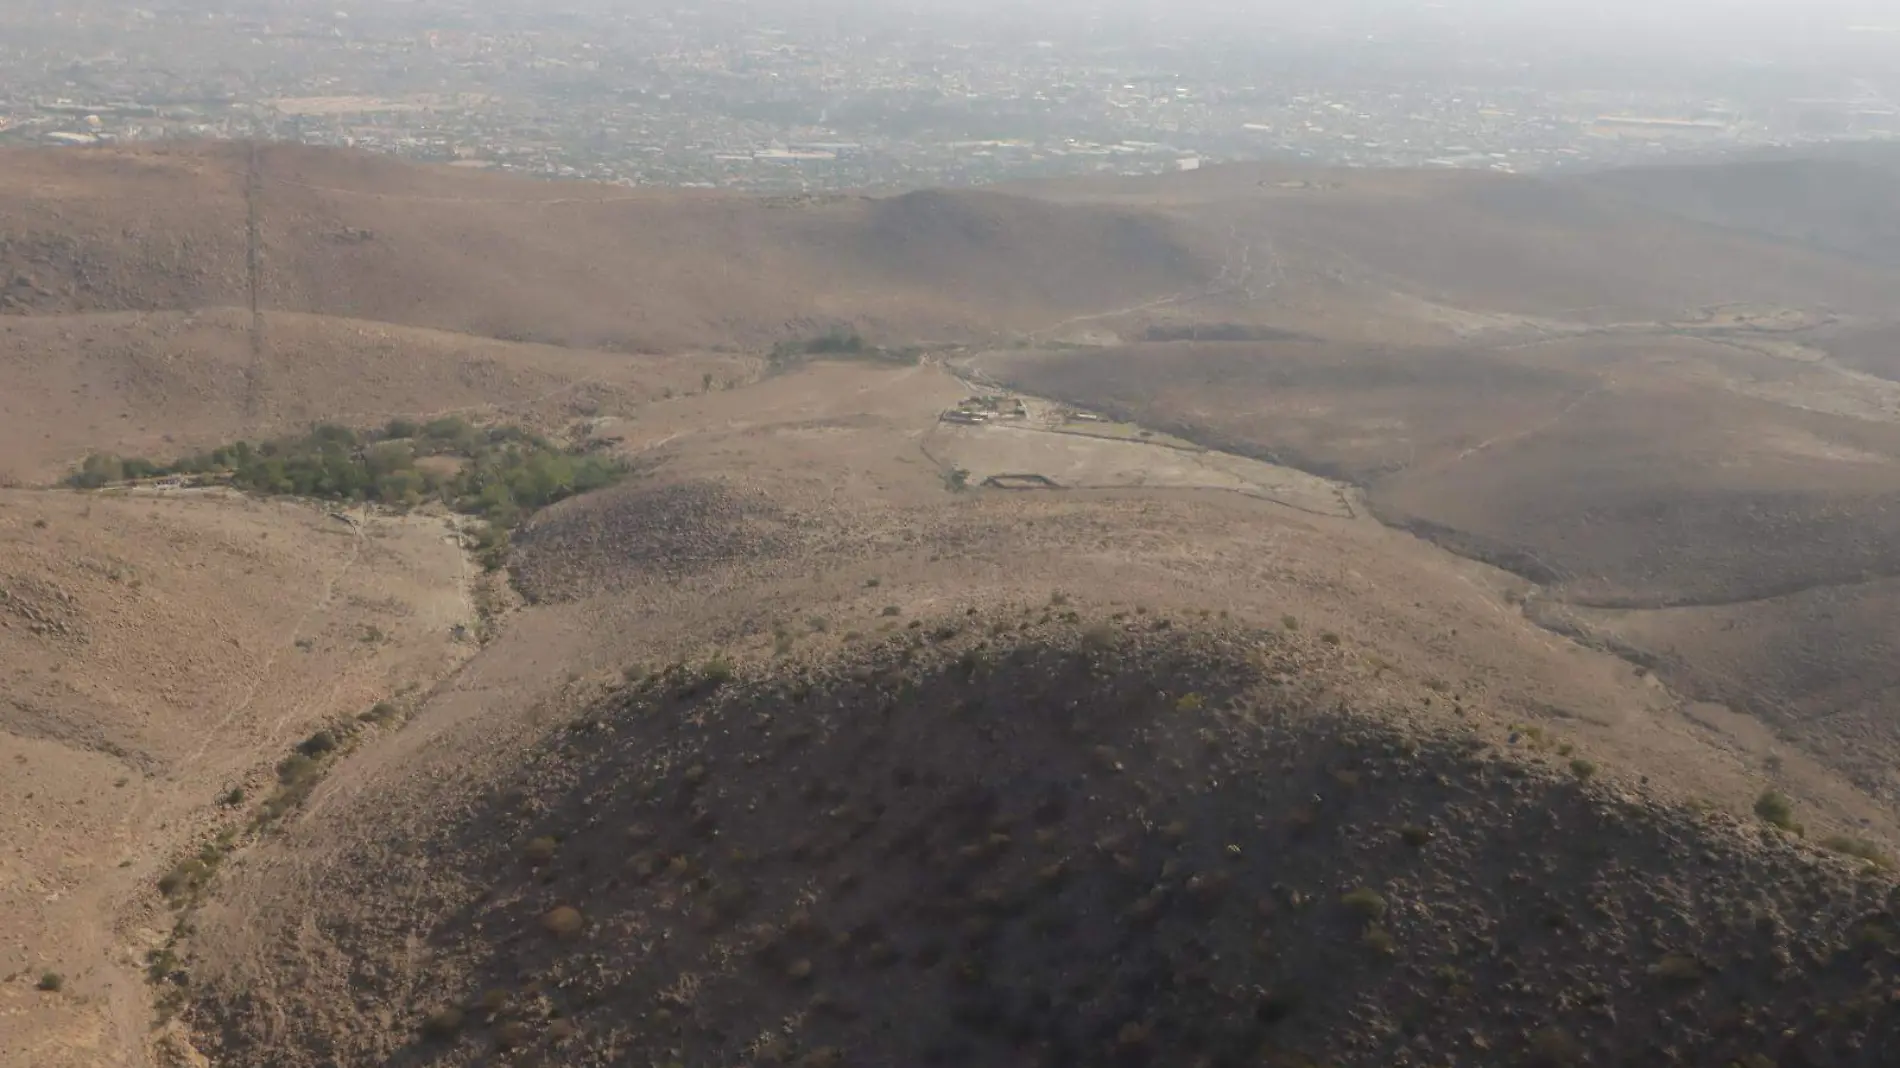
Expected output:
(1845, 205)
(1105, 846)
(1329, 247)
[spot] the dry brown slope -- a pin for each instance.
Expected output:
(158, 652)
(1622, 471)
(162, 384)
(122, 230)
(1118, 846)
(1818, 668)
(1625, 473)
(1338, 241)
(348, 234)
(882, 551)
(760, 509)
(1847, 205)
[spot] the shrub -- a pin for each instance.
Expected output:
(512, 1034)
(1582, 768)
(1677, 968)
(184, 879)
(540, 850)
(97, 470)
(1774, 807)
(492, 544)
(717, 672)
(1858, 847)
(318, 744)
(565, 921)
(1366, 903)
(52, 982)
(296, 769)
(442, 1023)
(1553, 1048)
(447, 428)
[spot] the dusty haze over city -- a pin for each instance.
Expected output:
(848, 94)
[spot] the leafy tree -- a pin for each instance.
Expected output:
(97, 470)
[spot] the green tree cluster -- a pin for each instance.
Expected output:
(500, 473)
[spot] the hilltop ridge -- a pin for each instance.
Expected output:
(1095, 844)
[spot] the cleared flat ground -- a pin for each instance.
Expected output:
(1088, 458)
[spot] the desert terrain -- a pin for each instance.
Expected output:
(1046, 625)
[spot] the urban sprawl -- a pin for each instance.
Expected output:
(715, 95)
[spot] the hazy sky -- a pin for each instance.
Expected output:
(1791, 32)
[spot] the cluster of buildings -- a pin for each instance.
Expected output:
(986, 408)
(722, 95)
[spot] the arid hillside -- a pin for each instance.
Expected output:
(1686, 499)
(327, 232)
(1260, 615)
(1849, 204)
(1396, 256)
(228, 290)
(991, 841)
(1618, 471)
(167, 383)
(333, 233)
(162, 653)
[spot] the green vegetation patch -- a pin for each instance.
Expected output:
(1774, 808)
(499, 473)
(839, 344)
